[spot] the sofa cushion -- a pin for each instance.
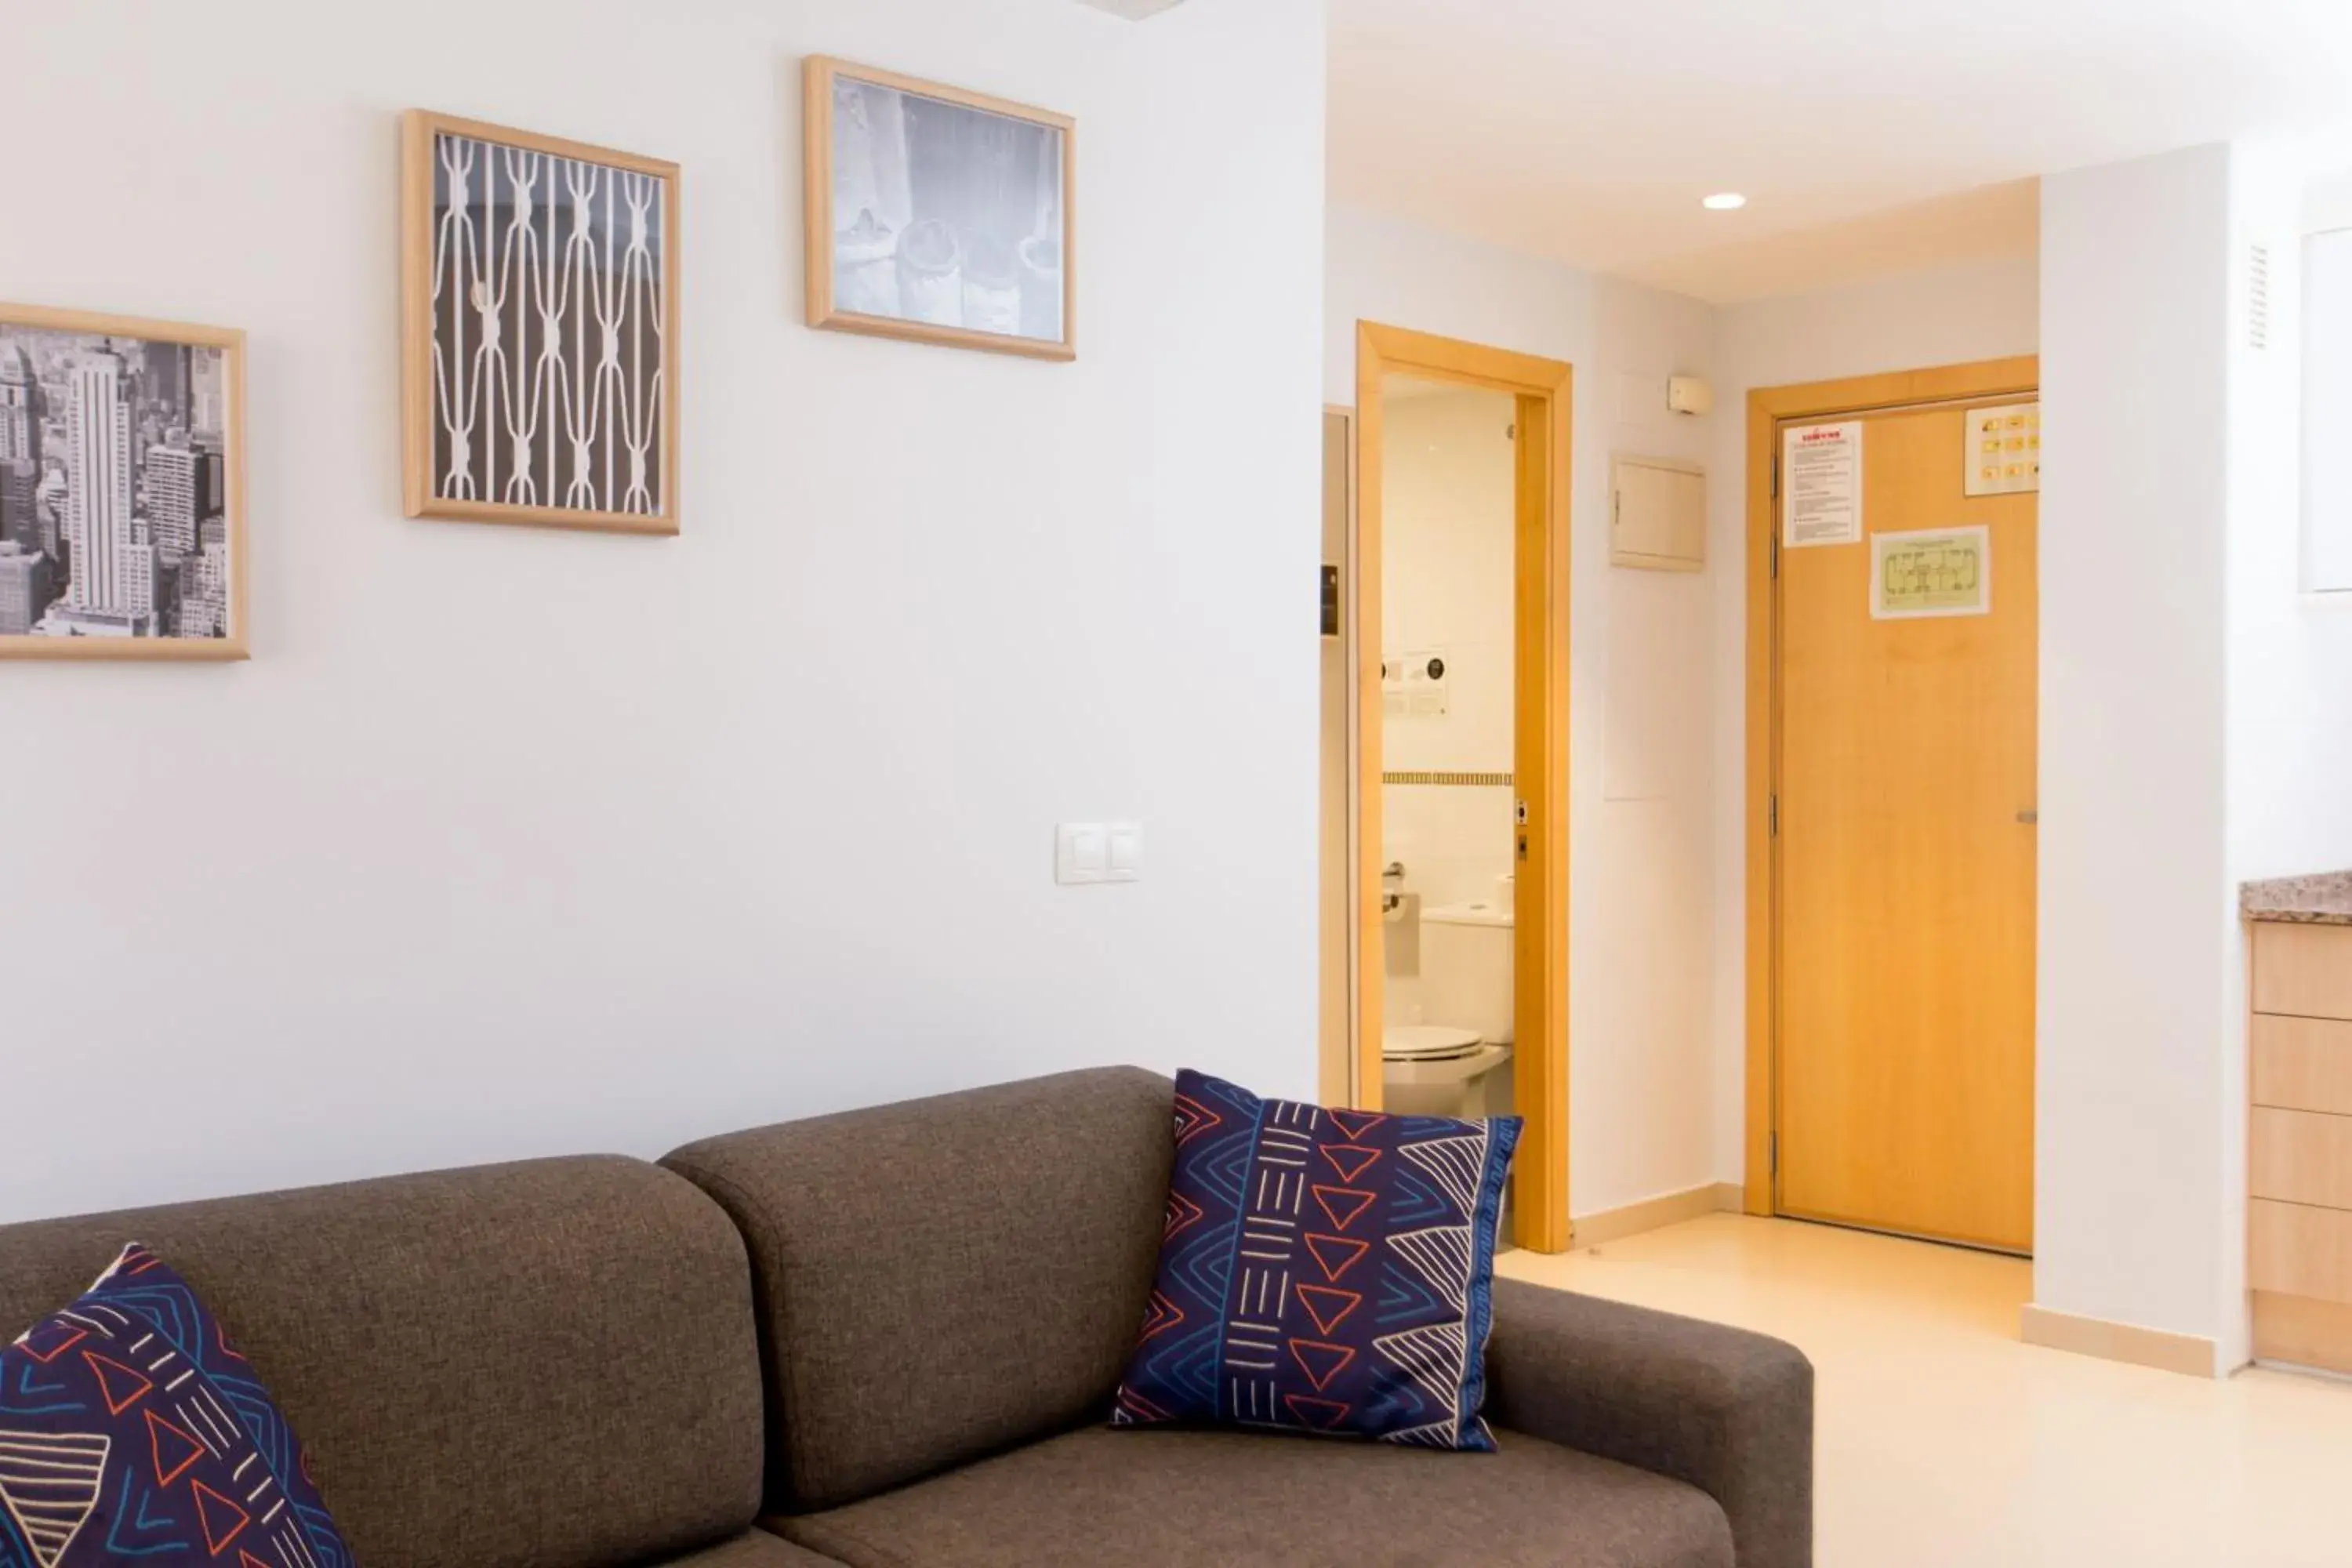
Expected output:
(753, 1549)
(549, 1364)
(1225, 1499)
(944, 1278)
(1327, 1271)
(131, 1427)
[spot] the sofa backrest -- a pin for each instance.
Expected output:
(944, 1278)
(551, 1362)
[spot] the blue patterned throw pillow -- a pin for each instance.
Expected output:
(1324, 1271)
(131, 1431)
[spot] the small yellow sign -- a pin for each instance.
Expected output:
(2004, 451)
(1930, 572)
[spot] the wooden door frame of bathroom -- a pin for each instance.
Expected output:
(1767, 407)
(1543, 389)
(1338, 1071)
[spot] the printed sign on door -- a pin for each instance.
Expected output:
(1821, 476)
(1930, 572)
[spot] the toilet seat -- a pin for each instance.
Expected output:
(1427, 1042)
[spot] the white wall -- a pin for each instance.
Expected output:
(1641, 646)
(2194, 728)
(2289, 724)
(2291, 760)
(511, 842)
(1945, 316)
(2325, 259)
(2136, 912)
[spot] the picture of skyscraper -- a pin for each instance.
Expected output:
(21, 404)
(20, 504)
(114, 486)
(98, 494)
(182, 490)
(26, 588)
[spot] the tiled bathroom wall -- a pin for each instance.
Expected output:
(1446, 576)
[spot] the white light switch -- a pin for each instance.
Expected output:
(1126, 852)
(1081, 852)
(1097, 852)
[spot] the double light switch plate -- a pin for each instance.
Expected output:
(1099, 852)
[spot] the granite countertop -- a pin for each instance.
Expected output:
(2325, 899)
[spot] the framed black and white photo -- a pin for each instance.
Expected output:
(122, 487)
(539, 329)
(938, 215)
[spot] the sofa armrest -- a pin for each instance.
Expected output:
(1725, 1410)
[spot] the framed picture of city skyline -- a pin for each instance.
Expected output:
(938, 215)
(122, 487)
(539, 329)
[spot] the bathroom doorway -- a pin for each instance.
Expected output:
(1455, 588)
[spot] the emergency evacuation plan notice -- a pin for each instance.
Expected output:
(1820, 475)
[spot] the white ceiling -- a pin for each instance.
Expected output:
(1870, 136)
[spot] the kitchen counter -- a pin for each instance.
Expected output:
(2325, 899)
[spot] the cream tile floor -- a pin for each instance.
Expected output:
(1943, 1440)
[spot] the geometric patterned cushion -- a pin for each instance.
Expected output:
(1322, 1271)
(131, 1432)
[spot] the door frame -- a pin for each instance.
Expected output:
(1767, 407)
(1337, 1070)
(1544, 391)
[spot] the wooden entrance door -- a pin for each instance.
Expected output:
(1905, 851)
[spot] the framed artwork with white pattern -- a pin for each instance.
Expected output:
(540, 336)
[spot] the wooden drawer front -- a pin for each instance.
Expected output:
(2299, 1251)
(2302, 1064)
(2303, 970)
(2299, 1329)
(2301, 1157)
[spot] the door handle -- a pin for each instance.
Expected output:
(2030, 818)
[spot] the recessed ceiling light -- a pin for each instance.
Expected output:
(1724, 201)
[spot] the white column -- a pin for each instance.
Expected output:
(2169, 495)
(2133, 995)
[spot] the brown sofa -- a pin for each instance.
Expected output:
(899, 1354)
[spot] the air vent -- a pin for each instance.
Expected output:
(1133, 10)
(2258, 298)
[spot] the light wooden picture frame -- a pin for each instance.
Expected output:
(538, 329)
(122, 500)
(939, 216)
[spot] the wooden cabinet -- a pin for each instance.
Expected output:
(2302, 1157)
(2302, 970)
(2302, 1064)
(2299, 1144)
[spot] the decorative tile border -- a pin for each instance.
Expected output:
(1500, 781)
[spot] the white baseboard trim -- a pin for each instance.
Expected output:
(1655, 1214)
(2191, 1354)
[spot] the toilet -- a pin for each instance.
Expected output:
(1445, 1062)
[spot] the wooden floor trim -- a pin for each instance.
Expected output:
(1656, 1214)
(2191, 1354)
